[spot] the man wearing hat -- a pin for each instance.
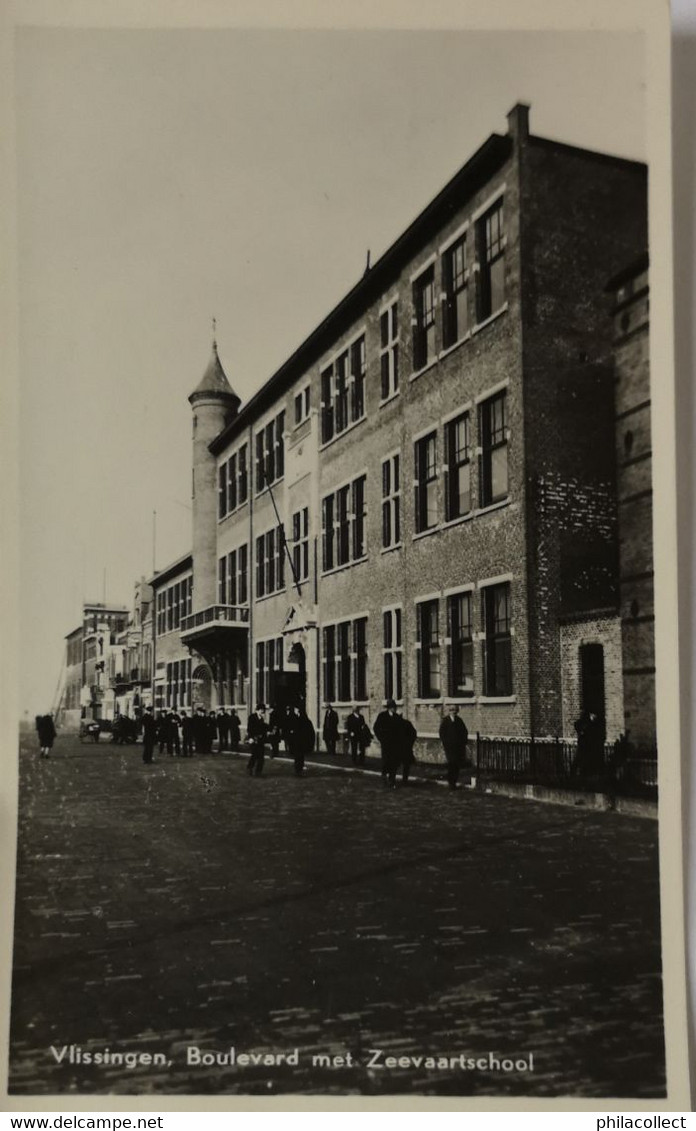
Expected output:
(257, 732)
(390, 733)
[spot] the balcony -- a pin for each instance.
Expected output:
(217, 621)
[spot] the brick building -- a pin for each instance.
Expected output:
(630, 292)
(86, 687)
(421, 502)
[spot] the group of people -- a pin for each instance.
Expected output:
(397, 737)
(184, 735)
(291, 725)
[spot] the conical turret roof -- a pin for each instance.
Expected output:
(214, 380)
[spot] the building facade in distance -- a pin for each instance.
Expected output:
(421, 503)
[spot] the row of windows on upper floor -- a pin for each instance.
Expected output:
(344, 511)
(343, 379)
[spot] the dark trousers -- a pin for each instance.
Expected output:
(357, 750)
(452, 769)
(255, 764)
(330, 745)
(188, 745)
(298, 759)
(274, 743)
(148, 748)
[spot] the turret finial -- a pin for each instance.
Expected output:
(214, 332)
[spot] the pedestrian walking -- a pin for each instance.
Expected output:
(359, 736)
(200, 730)
(330, 729)
(257, 734)
(300, 737)
(162, 731)
(173, 742)
(46, 731)
(235, 730)
(389, 732)
(454, 737)
(150, 734)
(276, 726)
(186, 735)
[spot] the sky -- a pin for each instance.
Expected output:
(169, 176)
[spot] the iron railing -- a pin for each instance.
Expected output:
(226, 614)
(555, 761)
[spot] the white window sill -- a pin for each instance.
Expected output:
(468, 701)
(264, 490)
(230, 514)
(459, 520)
(340, 435)
(268, 596)
(419, 372)
(428, 702)
(487, 321)
(390, 398)
(426, 533)
(497, 699)
(346, 565)
(390, 549)
(492, 507)
(455, 345)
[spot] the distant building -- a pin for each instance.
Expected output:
(421, 502)
(86, 689)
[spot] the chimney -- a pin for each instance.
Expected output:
(518, 122)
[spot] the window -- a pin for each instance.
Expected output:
(426, 482)
(389, 350)
(232, 578)
(490, 237)
(457, 468)
(424, 319)
(343, 391)
(302, 405)
(344, 525)
(497, 642)
(454, 284)
(178, 686)
(269, 661)
(344, 661)
(270, 452)
(428, 648)
(232, 482)
(493, 467)
(270, 562)
(300, 547)
(391, 627)
(173, 604)
(391, 502)
(460, 646)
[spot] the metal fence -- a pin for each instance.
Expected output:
(554, 761)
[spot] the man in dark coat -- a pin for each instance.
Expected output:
(300, 737)
(454, 737)
(359, 736)
(187, 734)
(330, 729)
(150, 732)
(276, 727)
(257, 734)
(390, 734)
(235, 730)
(46, 732)
(210, 731)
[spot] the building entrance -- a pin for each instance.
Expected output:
(592, 678)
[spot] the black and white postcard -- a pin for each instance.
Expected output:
(341, 631)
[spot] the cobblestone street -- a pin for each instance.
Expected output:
(187, 904)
